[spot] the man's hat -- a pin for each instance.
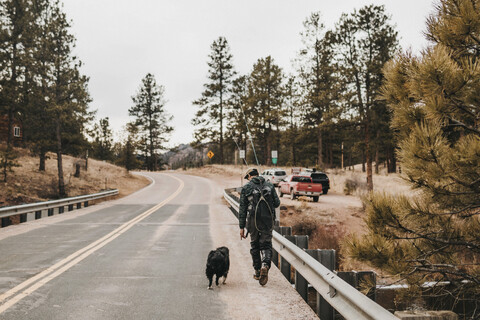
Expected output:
(250, 172)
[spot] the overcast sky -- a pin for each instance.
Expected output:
(120, 41)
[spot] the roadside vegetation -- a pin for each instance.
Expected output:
(27, 184)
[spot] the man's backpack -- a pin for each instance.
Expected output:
(263, 210)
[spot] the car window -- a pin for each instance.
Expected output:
(319, 176)
(280, 173)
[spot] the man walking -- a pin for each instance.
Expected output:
(258, 201)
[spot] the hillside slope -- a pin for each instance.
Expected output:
(26, 184)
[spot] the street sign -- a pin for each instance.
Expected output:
(242, 154)
(274, 160)
(210, 154)
(274, 154)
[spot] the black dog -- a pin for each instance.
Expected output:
(218, 263)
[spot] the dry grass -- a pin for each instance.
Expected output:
(27, 184)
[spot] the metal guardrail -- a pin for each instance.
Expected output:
(38, 206)
(347, 300)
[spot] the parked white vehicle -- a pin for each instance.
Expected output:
(274, 176)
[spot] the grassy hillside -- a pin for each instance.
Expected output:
(27, 184)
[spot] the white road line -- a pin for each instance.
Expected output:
(60, 267)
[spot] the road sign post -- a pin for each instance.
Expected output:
(274, 156)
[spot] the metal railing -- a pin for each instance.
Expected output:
(345, 299)
(6, 212)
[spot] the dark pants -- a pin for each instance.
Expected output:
(260, 245)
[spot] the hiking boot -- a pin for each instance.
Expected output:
(263, 275)
(256, 275)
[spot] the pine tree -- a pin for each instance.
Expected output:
(103, 140)
(237, 120)
(265, 101)
(151, 118)
(292, 106)
(434, 236)
(67, 91)
(17, 32)
(211, 113)
(127, 148)
(365, 41)
(320, 82)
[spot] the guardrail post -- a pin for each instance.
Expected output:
(38, 214)
(300, 283)
(286, 268)
(274, 252)
(61, 210)
(6, 222)
(79, 205)
(327, 258)
(23, 217)
(50, 212)
(85, 204)
(349, 277)
(284, 265)
(70, 207)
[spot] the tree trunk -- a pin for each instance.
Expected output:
(377, 153)
(43, 156)
(269, 151)
(331, 155)
(61, 182)
(363, 161)
(368, 157)
(221, 123)
(321, 166)
(392, 167)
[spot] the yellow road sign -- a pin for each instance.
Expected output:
(210, 154)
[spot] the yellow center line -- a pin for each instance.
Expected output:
(60, 267)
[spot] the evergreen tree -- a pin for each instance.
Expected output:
(17, 32)
(127, 150)
(152, 119)
(292, 106)
(265, 101)
(365, 41)
(103, 140)
(320, 83)
(211, 114)
(434, 236)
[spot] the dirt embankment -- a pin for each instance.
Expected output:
(26, 184)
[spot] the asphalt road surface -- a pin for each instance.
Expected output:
(140, 257)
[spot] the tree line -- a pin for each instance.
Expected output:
(327, 111)
(42, 86)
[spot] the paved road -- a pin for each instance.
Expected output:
(140, 257)
(154, 270)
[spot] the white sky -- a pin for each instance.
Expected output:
(120, 41)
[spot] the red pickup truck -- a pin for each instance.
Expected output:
(296, 185)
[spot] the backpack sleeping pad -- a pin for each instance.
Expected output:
(263, 210)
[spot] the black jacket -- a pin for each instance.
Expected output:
(246, 192)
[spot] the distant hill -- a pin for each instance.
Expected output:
(183, 155)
